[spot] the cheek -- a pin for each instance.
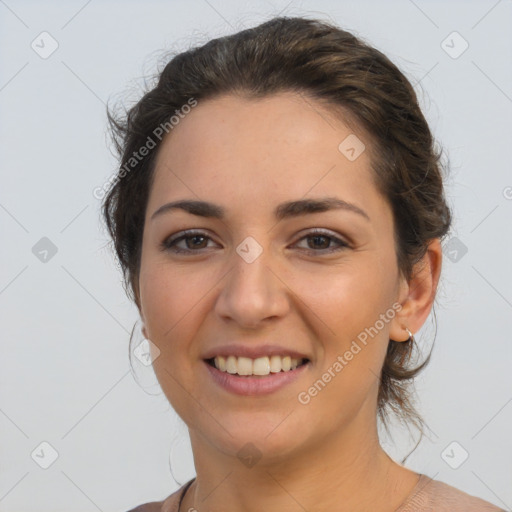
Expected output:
(169, 315)
(169, 301)
(347, 376)
(351, 299)
(167, 296)
(353, 306)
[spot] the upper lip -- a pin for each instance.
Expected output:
(252, 351)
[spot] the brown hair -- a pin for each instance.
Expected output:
(335, 68)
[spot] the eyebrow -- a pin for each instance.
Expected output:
(286, 210)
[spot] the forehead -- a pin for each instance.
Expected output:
(266, 150)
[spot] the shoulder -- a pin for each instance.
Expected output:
(154, 506)
(170, 504)
(435, 496)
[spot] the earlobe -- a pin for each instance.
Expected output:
(404, 334)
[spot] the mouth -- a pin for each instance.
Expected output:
(261, 376)
(259, 367)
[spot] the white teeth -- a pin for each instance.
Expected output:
(231, 366)
(244, 365)
(275, 364)
(260, 366)
(221, 363)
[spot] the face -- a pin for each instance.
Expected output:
(237, 280)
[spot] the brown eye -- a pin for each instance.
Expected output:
(320, 241)
(193, 242)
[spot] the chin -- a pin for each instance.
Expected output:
(268, 440)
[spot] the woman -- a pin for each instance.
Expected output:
(278, 214)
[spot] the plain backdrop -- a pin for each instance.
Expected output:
(68, 398)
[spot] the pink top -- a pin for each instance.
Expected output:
(427, 496)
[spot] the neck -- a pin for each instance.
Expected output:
(347, 472)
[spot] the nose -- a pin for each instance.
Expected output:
(252, 293)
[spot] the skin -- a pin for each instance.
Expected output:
(249, 156)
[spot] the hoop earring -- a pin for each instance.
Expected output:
(411, 337)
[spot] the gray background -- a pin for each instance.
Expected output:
(65, 376)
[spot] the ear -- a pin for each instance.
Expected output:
(143, 323)
(417, 296)
(144, 330)
(136, 295)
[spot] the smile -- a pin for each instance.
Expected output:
(240, 376)
(245, 366)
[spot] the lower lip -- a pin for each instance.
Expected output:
(258, 385)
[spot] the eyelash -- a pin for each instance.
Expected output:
(169, 244)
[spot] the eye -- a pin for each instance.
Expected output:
(321, 240)
(197, 239)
